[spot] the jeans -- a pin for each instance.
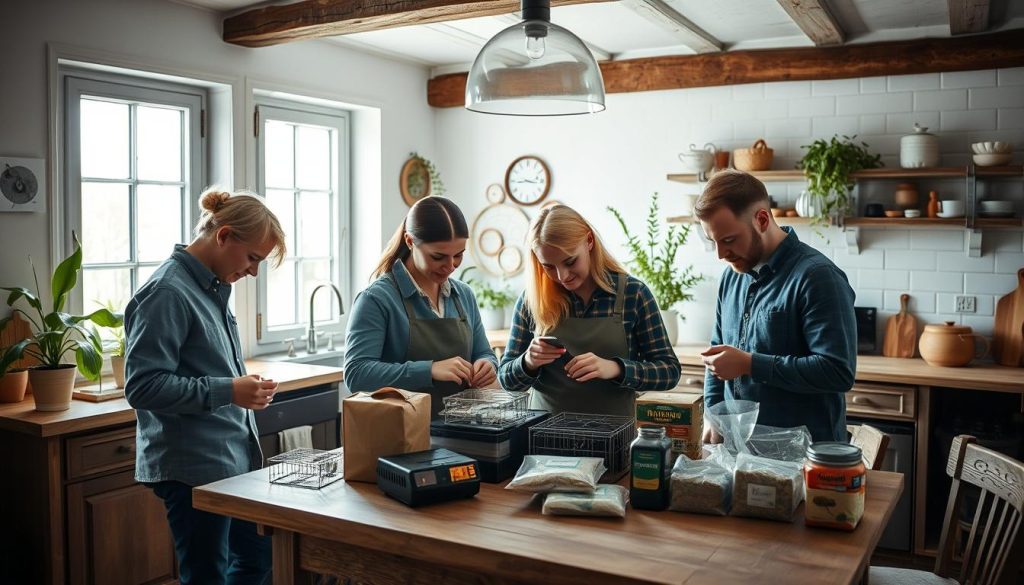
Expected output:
(213, 549)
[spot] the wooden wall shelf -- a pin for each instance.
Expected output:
(1009, 171)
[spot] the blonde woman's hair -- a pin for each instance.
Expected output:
(246, 214)
(564, 228)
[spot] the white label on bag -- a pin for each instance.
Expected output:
(761, 496)
(565, 463)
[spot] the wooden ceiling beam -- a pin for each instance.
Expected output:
(688, 33)
(991, 51)
(814, 18)
(968, 16)
(310, 19)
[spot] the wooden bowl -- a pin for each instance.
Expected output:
(893, 213)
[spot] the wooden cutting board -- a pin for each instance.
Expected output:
(900, 332)
(1008, 334)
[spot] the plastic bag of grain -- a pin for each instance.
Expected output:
(766, 488)
(702, 486)
(605, 500)
(556, 473)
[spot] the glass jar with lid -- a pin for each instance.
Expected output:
(834, 476)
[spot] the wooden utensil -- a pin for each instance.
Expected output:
(900, 332)
(1008, 333)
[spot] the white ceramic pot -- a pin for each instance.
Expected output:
(492, 318)
(807, 205)
(698, 160)
(671, 319)
(117, 367)
(919, 149)
(53, 388)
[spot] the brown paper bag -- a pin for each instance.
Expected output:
(386, 422)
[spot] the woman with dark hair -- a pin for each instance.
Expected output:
(415, 327)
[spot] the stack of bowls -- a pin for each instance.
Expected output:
(992, 153)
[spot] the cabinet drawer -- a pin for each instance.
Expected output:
(882, 400)
(691, 379)
(101, 452)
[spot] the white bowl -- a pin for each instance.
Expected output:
(912, 213)
(992, 147)
(992, 160)
(996, 206)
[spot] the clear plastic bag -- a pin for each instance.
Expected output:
(767, 488)
(605, 500)
(779, 443)
(735, 421)
(703, 486)
(555, 473)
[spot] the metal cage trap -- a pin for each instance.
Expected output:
(587, 435)
(481, 406)
(306, 468)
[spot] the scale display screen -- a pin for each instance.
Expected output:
(462, 473)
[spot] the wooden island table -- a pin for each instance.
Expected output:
(354, 530)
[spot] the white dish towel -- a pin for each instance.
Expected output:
(296, 438)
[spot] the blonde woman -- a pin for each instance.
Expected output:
(416, 327)
(586, 336)
(187, 382)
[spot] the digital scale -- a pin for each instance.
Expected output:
(428, 477)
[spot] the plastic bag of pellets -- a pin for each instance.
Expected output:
(702, 487)
(605, 500)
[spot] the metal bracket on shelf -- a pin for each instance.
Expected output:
(972, 242)
(852, 240)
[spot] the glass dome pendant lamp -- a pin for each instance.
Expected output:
(535, 68)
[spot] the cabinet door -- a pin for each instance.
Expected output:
(118, 533)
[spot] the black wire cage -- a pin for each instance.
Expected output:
(573, 434)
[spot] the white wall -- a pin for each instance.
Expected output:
(171, 38)
(620, 156)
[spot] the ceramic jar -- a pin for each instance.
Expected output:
(906, 196)
(698, 160)
(949, 344)
(807, 205)
(919, 149)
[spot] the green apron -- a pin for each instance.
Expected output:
(555, 391)
(437, 340)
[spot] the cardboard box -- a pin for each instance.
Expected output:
(377, 424)
(682, 415)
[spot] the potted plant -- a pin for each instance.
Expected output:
(828, 166)
(656, 265)
(55, 334)
(13, 381)
(115, 347)
(490, 300)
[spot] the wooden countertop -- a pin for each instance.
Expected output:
(23, 418)
(501, 535)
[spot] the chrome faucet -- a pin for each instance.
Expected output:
(311, 333)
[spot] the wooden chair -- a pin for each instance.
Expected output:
(995, 545)
(872, 442)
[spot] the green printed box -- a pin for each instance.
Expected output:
(681, 413)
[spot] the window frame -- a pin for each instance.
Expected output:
(339, 120)
(75, 84)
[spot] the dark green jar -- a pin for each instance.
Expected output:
(651, 459)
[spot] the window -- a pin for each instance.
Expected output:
(302, 154)
(133, 174)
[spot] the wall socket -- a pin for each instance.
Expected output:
(965, 304)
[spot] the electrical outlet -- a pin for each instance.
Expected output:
(965, 304)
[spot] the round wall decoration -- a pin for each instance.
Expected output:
(495, 193)
(528, 180)
(414, 182)
(498, 239)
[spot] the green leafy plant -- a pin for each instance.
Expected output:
(436, 184)
(654, 260)
(116, 345)
(488, 296)
(828, 165)
(58, 332)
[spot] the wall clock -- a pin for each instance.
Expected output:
(22, 184)
(414, 182)
(498, 239)
(527, 180)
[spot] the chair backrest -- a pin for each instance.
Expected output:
(995, 546)
(872, 442)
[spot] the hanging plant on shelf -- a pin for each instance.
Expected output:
(436, 184)
(828, 165)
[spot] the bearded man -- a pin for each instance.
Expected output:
(785, 333)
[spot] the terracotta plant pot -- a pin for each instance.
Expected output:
(53, 388)
(13, 385)
(949, 344)
(117, 367)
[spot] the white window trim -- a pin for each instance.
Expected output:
(302, 113)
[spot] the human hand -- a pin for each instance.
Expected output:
(454, 369)
(252, 392)
(483, 374)
(590, 367)
(725, 362)
(540, 354)
(710, 436)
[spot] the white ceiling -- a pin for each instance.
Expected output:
(615, 30)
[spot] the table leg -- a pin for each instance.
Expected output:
(286, 567)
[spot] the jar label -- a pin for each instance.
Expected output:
(826, 507)
(647, 469)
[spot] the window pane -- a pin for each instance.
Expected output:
(159, 221)
(314, 224)
(105, 223)
(158, 142)
(281, 294)
(315, 272)
(103, 286)
(282, 203)
(105, 137)
(313, 158)
(279, 154)
(145, 272)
